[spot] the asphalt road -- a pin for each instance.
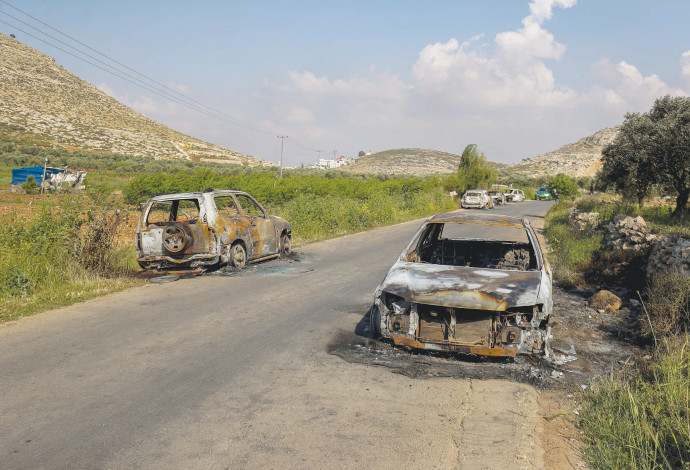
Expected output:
(231, 370)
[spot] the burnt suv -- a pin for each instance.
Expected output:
(209, 228)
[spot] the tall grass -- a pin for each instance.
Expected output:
(641, 421)
(568, 250)
(44, 262)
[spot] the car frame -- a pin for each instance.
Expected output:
(498, 197)
(476, 198)
(515, 195)
(444, 294)
(206, 229)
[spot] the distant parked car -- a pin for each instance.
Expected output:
(543, 194)
(515, 195)
(498, 197)
(477, 198)
(194, 231)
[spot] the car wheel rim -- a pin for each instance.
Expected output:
(239, 257)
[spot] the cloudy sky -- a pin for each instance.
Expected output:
(517, 78)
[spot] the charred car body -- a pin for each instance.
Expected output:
(214, 227)
(456, 289)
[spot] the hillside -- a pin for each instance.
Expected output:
(582, 158)
(39, 97)
(406, 162)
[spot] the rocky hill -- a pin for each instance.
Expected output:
(406, 162)
(39, 96)
(582, 158)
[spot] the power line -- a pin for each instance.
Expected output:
(182, 99)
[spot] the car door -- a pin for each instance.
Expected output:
(262, 230)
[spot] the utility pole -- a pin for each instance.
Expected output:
(318, 157)
(282, 139)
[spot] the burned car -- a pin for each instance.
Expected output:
(474, 284)
(194, 231)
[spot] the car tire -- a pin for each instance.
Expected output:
(176, 238)
(375, 321)
(285, 245)
(238, 256)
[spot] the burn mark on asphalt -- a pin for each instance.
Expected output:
(586, 344)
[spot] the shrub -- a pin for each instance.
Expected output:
(29, 150)
(7, 147)
(668, 305)
(30, 186)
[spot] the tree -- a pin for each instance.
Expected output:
(626, 164)
(562, 186)
(653, 148)
(474, 171)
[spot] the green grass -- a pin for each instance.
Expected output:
(638, 419)
(641, 421)
(658, 216)
(568, 250)
(42, 261)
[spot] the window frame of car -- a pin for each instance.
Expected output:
(236, 196)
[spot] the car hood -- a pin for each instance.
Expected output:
(462, 287)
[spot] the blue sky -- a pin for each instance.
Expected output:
(517, 78)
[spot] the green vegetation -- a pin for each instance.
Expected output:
(45, 263)
(562, 186)
(65, 252)
(641, 421)
(569, 251)
(652, 149)
(474, 172)
(318, 207)
(30, 186)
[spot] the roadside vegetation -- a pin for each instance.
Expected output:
(59, 255)
(639, 419)
(62, 248)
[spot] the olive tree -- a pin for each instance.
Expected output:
(652, 148)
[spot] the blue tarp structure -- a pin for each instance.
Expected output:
(20, 175)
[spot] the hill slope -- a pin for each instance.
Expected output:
(406, 162)
(43, 98)
(582, 158)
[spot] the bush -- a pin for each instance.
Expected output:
(563, 186)
(668, 305)
(30, 186)
(7, 147)
(29, 150)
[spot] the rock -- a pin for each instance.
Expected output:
(605, 301)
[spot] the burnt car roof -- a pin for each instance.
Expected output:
(196, 194)
(479, 219)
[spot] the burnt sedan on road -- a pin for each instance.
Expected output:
(194, 231)
(468, 283)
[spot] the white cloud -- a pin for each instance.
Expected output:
(514, 75)
(622, 87)
(500, 93)
(685, 64)
(543, 9)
